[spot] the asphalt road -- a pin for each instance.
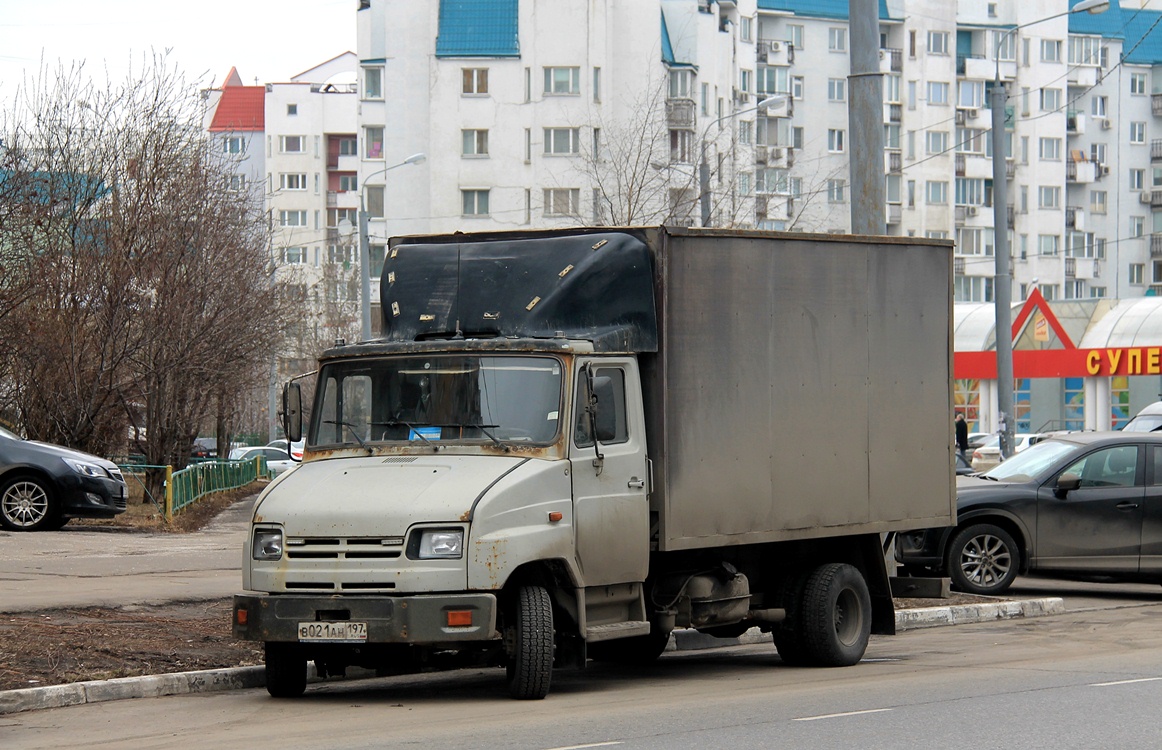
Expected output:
(1079, 680)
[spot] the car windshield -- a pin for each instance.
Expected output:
(1031, 462)
(1144, 423)
(445, 398)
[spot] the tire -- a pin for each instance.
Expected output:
(836, 615)
(530, 665)
(983, 559)
(788, 636)
(27, 504)
(639, 650)
(286, 670)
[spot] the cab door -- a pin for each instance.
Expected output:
(610, 493)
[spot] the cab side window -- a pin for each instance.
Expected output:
(609, 384)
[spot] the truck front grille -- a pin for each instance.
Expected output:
(344, 548)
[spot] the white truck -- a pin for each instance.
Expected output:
(569, 443)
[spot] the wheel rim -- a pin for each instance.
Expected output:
(25, 503)
(985, 560)
(848, 617)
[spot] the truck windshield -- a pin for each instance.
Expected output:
(445, 398)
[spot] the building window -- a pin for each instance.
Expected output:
(348, 183)
(292, 110)
(563, 140)
(681, 146)
(796, 87)
(937, 92)
(970, 94)
(1137, 179)
(340, 254)
(681, 84)
(795, 35)
(474, 143)
(373, 138)
(1050, 100)
(797, 137)
(475, 202)
(744, 81)
(1050, 149)
(938, 42)
(836, 190)
(1048, 196)
(744, 183)
(892, 137)
(837, 39)
(937, 141)
(1136, 271)
(936, 192)
(562, 201)
(1084, 50)
(1097, 201)
(892, 89)
(565, 81)
(474, 81)
(836, 90)
(1048, 244)
(373, 83)
(292, 144)
(292, 181)
(336, 215)
(706, 100)
(745, 26)
(972, 289)
(1005, 46)
(1137, 83)
(374, 196)
(1137, 132)
(1051, 50)
(348, 147)
(970, 191)
(292, 218)
(835, 140)
(597, 84)
(233, 144)
(746, 132)
(238, 182)
(294, 255)
(1137, 226)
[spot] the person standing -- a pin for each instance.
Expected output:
(961, 435)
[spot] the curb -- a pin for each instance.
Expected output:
(237, 678)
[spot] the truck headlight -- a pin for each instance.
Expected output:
(438, 544)
(267, 544)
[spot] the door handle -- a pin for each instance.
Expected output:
(636, 484)
(1126, 505)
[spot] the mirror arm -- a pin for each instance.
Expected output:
(591, 410)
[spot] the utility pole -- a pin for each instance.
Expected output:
(865, 118)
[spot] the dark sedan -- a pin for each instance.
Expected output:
(1085, 505)
(42, 486)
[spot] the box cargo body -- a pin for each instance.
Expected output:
(801, 388)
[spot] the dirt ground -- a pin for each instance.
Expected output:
(53, 647)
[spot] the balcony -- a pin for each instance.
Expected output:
(895, 113)
(962, 64)
(894, 57)
(1156, 104)
(773, 52)
(958, 266)
(1081, 172)
(1151, 198)
(1010, 168)
(1070, 268)
(1074, 122)
(1074, 218)
(959, 161)
(680, 113)
(895, 162)
(1012, 216)
(1156, 150)
(1156, 245)
(895, 213)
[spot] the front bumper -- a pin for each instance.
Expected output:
(92, 497)
(417, 619)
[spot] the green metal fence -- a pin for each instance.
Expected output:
(184, 487)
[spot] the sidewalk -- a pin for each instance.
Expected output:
(236, 678)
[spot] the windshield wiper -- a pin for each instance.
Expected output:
(354, 434)
(412, 428)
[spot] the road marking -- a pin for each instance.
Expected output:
(1124, 682)
(582, 747)
(848, 713)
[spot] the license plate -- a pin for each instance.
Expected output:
(333, 632)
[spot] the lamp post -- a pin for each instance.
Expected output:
(1002, 275)
(704, 167)
(365, 243)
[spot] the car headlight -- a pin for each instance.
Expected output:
(439, 544)
(268, 544)
(85, 468)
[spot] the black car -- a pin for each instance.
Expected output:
(1083, 505)
(42, 486)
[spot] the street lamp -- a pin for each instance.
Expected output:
(1002, 278)
(704, 168)
(365, 242)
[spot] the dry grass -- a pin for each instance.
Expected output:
(144, 515)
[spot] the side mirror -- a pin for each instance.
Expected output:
(1067, 482)
(604, 410)
(292, 412)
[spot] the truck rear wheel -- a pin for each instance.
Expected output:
(530, 665)
(286, 670)
(836, 615)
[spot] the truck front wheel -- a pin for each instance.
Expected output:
(836, 615)
(286, 670)
(530, 662)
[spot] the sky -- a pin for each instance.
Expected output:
(267, 40)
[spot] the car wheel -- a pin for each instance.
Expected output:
(27, 504)
(286, 670)
(983, 559)
(836, 615)
(530, 665)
